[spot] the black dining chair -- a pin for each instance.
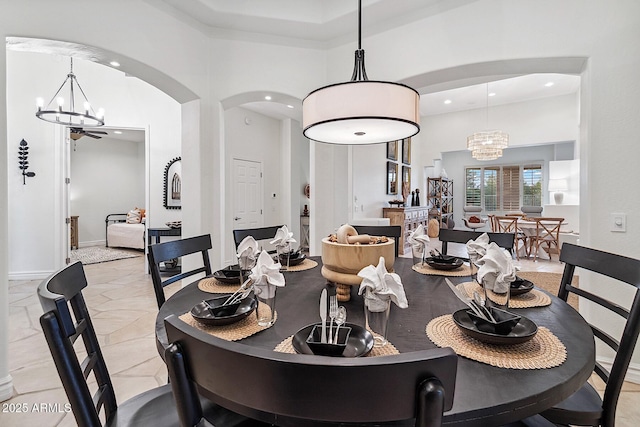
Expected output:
(167, 251)
(382, 230)
(302, 390)
(446, 236)
(585, 407)
(60, 295)
(260, 234)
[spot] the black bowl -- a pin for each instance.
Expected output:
(359, 343)
(504, 321)
(314, 341)
(295, 258)
(524, 331)
(520, 286)
(215, 315)
(444, 263)
(229, 275)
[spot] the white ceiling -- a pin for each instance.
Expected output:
(326, 23)
(309, 23)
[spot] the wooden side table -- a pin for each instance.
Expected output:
(74, 231)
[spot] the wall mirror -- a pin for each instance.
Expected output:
(392, 178)
(173, 184)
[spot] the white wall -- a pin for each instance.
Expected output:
(128, 102)
(107, 176)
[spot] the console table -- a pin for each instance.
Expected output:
(159, 232)
(408, 218)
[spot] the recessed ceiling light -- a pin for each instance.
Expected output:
(289, 106)
(268, 98)
(117, 132)
(447, 101)
(549, 84)
(114, 63)
(492, 94)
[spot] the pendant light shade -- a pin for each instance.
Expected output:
(361, 111)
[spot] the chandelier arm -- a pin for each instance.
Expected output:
(83, 95)
(58, 91)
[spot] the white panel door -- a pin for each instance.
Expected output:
(247, 194)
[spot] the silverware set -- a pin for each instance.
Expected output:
(476, 304)
(336, 314)
(241, 293)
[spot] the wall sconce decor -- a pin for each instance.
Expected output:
(23, 154)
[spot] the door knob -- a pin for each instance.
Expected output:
(237, 218)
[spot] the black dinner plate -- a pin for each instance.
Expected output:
(520, 286)
(294, 259)
(444, 263)
(522, 332)
(359, 344)
(202, 314)
(230, 275)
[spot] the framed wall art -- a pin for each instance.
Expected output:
(173, 184)
(392, 178)
(406, 151)
(406, 176)
(392, 150)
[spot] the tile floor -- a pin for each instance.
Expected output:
(123, 308)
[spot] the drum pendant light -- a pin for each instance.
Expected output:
(361, 111)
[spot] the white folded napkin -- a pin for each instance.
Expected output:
(477, 248)
(265, 273)
(379, 286)
(496, 270)
(247, 252)
(283, 238)
(418, 240)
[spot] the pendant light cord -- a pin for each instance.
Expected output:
(359, 73)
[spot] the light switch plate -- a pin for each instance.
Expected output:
(619, 222)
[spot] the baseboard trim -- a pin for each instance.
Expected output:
(91, 243)
(6, 388)
(29, 275)
(633, 373)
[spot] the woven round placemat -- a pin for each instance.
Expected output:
(233, 332)
(533, 298)
(543, 351)
(307, 264)
(212, 285)
(286, 346)
(462, 271)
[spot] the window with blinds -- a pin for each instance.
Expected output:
(503, 188)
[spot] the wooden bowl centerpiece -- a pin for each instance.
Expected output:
(342, 261)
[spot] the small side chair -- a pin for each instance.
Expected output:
(166, 251)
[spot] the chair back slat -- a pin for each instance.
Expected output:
(446, 236)
(259, 234)
(166, 251)
(547, 232)
(626, 271)
(393, 231)
(56, 294)
(382, 389)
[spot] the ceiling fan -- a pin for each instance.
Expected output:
(77, 133)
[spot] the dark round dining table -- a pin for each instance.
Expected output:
(484, 395)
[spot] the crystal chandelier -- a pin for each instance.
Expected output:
(59, 115)
(361, 111)
(487, 144)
